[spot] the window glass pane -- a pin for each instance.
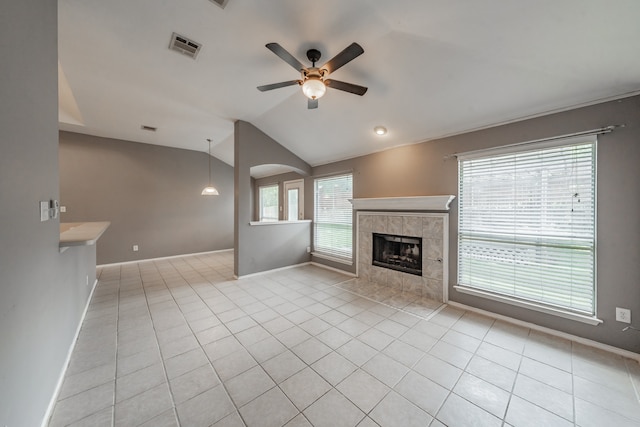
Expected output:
(527, 225)
(269, 203)
(333, 216)
(292, 200)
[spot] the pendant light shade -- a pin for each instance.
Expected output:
(209, 190)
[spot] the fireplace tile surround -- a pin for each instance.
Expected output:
(431, 227)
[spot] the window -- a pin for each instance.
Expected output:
(527, 225)
(269, 203)
(333, 217)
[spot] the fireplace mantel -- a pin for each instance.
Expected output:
(416, 203)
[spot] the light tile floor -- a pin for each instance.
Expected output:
(177, 342)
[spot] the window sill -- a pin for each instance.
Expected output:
(300, 221)
(332, 258)
(530, 305)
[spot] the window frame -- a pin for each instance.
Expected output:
(529, 303)
(261, 217)
(334, 254)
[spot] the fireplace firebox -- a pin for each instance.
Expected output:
(399, 253)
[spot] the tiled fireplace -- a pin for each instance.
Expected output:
(405, 236)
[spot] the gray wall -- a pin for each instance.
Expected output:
(263, 247)
(151, 195)
(422, 170)
(42, 292)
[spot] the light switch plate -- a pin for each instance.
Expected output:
(44, 211)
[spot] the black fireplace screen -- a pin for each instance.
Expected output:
(398, 253)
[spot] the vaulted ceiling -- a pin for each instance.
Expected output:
(433, 68)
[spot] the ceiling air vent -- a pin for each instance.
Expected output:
(184, 45)
(221, 3)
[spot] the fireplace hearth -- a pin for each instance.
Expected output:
(400, 253)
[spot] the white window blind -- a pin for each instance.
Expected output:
(333, 216)
(269, 203)
(527, 225)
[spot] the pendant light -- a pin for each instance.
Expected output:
(210, 190)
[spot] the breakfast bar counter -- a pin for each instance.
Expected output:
(81, 233)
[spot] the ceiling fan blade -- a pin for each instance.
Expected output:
(347, 87)
(312, 104)
(285, 56)
(349, 54)
(272, 86)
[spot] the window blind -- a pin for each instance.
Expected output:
(333, 216)
(527, 225)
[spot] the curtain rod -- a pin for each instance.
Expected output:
(597, 131)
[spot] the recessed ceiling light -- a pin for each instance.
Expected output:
(380, 130)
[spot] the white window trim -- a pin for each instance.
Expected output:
(532, 305)
(348, 260)
(283, 222)
(529, 305)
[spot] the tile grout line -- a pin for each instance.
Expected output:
(210, 362)
(289, 289)
(463, 371)
(633, 383)
(332, 387)
(155, 331)
(430, 316)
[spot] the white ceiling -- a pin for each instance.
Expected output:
(433, 68)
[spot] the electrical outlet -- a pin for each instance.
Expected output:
(623, 315)
(308, 249)
(63, 209)
(135, 248)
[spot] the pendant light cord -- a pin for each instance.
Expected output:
(209, 161)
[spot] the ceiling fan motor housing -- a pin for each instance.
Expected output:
(313, 55)
(313, 73)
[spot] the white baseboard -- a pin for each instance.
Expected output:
(346, 273)
(585, 341)
(260, 273)
(54, 397)
(162, 258)
(332, 259)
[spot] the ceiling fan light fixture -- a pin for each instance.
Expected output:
(314, 88)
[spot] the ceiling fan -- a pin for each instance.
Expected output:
(314, 79)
